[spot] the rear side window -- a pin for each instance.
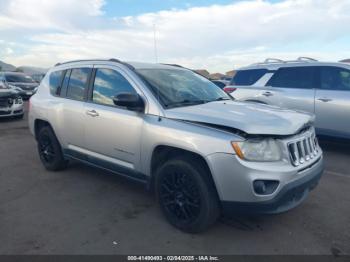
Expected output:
(78, 82)
(55, 82)
(335, 78)
(294, 77)
(248, 77)
(109, 83)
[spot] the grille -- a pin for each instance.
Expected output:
(303, 149)
(4, 102)
(3, 113)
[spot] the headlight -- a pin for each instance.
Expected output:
(258, 150)
(14, 87)
(19, 100)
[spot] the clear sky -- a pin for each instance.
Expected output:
(215, 34)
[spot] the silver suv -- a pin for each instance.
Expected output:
(179, 134)
(304, 84)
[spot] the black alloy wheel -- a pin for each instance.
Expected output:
(186, 195)
(49, 149)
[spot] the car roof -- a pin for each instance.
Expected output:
(275, 66)
(13, 73)
(132, 64)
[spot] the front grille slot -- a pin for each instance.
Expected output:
(4, 102)
(304, 149)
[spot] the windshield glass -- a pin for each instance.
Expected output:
(18, 78)
(177, 88)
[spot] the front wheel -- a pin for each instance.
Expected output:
(50, 151)
(186, 195)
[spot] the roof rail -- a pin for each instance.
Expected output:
(280, 61)
(304, 58)
(174, 65)
(100, 60)
(273, 60)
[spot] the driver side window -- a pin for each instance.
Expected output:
(108, 84)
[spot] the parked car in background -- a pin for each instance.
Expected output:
(304, 84)
(11, 104)
(220, 83)
(22, 83)
(178, 133)
(38, 77)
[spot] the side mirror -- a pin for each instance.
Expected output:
(131, 101)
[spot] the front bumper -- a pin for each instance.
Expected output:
(14, 110)
(234, 182)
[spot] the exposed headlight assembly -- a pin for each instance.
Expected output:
(15, 87)
(258, 150)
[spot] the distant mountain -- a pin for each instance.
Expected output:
(6, 67)
(345, 61)
(31, 70)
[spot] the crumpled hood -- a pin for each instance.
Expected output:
(8, 93)
(25, 86)
(251, 118)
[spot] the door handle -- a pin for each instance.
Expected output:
(267, 93)
(92, 113)
(324, 99)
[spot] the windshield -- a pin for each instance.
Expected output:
(18, 78)
(177, 88)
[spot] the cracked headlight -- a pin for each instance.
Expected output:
(262, 150)
(15, 88)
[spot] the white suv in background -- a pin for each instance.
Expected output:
(304, 84)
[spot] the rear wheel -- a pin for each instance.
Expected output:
(49, 149)
(186, 196)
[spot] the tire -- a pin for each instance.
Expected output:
(50, 150)
(186, 195)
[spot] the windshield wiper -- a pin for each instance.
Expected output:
(186, 103)
(220, 99)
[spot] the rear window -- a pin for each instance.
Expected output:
(77, 83)
(294, 77)
(55, 82)
(248, 77)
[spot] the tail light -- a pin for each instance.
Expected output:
(229, 89)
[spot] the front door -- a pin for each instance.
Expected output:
(113, 134)
(292, 88)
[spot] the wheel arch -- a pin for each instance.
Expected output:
(162, 153)
(38, 124)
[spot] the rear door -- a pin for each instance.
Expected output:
(292, 88)
(74, 92)
(333, 102)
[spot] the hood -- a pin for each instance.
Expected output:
(25, 86)
(8, 93)
(254, 119)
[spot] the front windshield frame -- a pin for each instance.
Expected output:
(153, 87)
(22, 77)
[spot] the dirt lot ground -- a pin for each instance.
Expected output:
(83, 210)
